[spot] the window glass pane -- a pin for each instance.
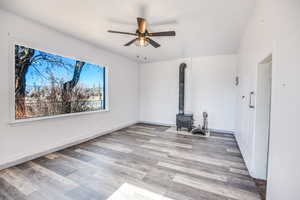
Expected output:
(49, 85)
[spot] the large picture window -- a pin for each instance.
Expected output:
(49, 85)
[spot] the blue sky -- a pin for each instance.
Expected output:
(39, 73)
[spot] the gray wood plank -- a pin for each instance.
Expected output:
(220, 189)
(18, 181)
(147, 158)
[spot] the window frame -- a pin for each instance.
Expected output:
(11, 65)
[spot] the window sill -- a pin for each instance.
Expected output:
(29, 120)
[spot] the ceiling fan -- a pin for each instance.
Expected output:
(143, 36)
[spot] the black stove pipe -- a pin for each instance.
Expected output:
(181, 87)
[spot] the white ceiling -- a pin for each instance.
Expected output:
(203, 27)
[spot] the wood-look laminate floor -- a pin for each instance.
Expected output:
(141, 162)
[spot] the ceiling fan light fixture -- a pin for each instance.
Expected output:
(142, 42)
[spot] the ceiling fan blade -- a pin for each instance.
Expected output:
(153, 43)
(141, 24)
(120, 32)
(129, 43)
(165, 33)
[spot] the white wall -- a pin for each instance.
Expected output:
(213, 90)
(19, 141)
(159, 91)
(209, 87)
(274, 28)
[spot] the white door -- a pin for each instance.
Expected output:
(262, 120)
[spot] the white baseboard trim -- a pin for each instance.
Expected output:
(221, 131)
(62, 145)
(157, 123)
(164, 124)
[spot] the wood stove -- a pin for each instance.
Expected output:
(183, 120)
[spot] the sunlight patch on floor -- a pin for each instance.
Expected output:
(131, 192)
